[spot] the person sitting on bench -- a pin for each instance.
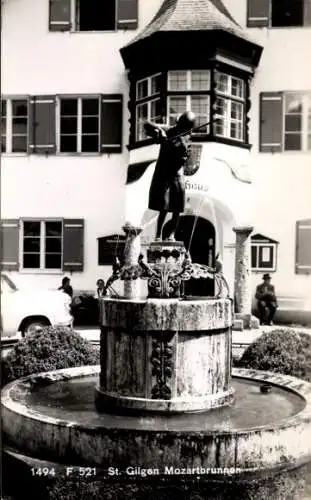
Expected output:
(267, 301)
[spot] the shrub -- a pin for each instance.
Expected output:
(50, 348)
(282, 350)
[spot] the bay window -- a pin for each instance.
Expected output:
(163, 102)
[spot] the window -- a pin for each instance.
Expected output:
(79, 125)
(263, 253)
(14, 125)
(110, 247)
(42, 245)
(278, 13)
(93, 15)
(191, 90)
(148, 104)
(191, 84)
(285, 123)
(303, 247)
(229, 109)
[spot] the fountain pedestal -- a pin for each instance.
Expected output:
(165, 355)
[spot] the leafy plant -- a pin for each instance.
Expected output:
(50, 348)
(281, 350)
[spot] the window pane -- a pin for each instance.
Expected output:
(90, 125)
(32, 228)
(68, 125)
(200, 106)
(3, 143)
(287, 13)
(293, 102)
(222, 83)
(90, 107)
(237, 87)
(19, 108)
(292, 142)
(142, 89)
(90, 144)
(53, 228)
(155, 84)
(177, 80)
(141, 117)
(97, 15)
(254, 250)
(155, 111)
(31, 245)
(177, 105)
(3, 108)
(236, 130)
(69, 107)
(31, 261)
(53, 261)
(53, 245)
(221, 107)
(200, 80)
(293, 123)
(236, 110)
(68, 144)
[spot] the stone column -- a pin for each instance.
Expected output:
(242, 275)
(131, 254)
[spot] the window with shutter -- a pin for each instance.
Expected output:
(111, 123)
(60, 15)
(9, 244)
(73, 245)
(303, 246)
(258, 13)
(278, 13)
(42, 123)
(127, 14)
(271, 122)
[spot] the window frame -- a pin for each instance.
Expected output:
(145, 100)
(273, 248)
(79, 124)
(9, 124)
(264, 20)
(42, 268)
(305, 114)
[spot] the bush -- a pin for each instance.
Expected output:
(282, 350)
(51, 348)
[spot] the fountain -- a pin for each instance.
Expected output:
(167, 403)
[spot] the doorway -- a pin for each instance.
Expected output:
(200, 234)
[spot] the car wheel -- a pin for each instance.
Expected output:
(34, 325)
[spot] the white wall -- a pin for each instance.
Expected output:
(35, 61)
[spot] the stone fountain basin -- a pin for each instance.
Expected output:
(188, 440)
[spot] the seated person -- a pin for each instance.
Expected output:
(66, 287)
(101, 290)
(267, 301)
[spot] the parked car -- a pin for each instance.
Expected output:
(25, 310)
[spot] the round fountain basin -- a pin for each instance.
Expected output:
(52, 416)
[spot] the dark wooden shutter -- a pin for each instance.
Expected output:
(9, 244)
(271, 122)
(111, 123)
(42, 124)
(73, 245)
(258, 13)
(303, 247)
(127, 14)
(59, 15)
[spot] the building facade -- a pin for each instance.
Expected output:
(80, 77)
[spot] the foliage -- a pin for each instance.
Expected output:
(281, 350)
(50, 348)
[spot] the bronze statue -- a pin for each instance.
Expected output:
(167, 190)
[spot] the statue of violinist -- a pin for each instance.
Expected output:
(167, 189)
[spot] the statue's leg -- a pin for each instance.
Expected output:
(173, 223)
(160, 223)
